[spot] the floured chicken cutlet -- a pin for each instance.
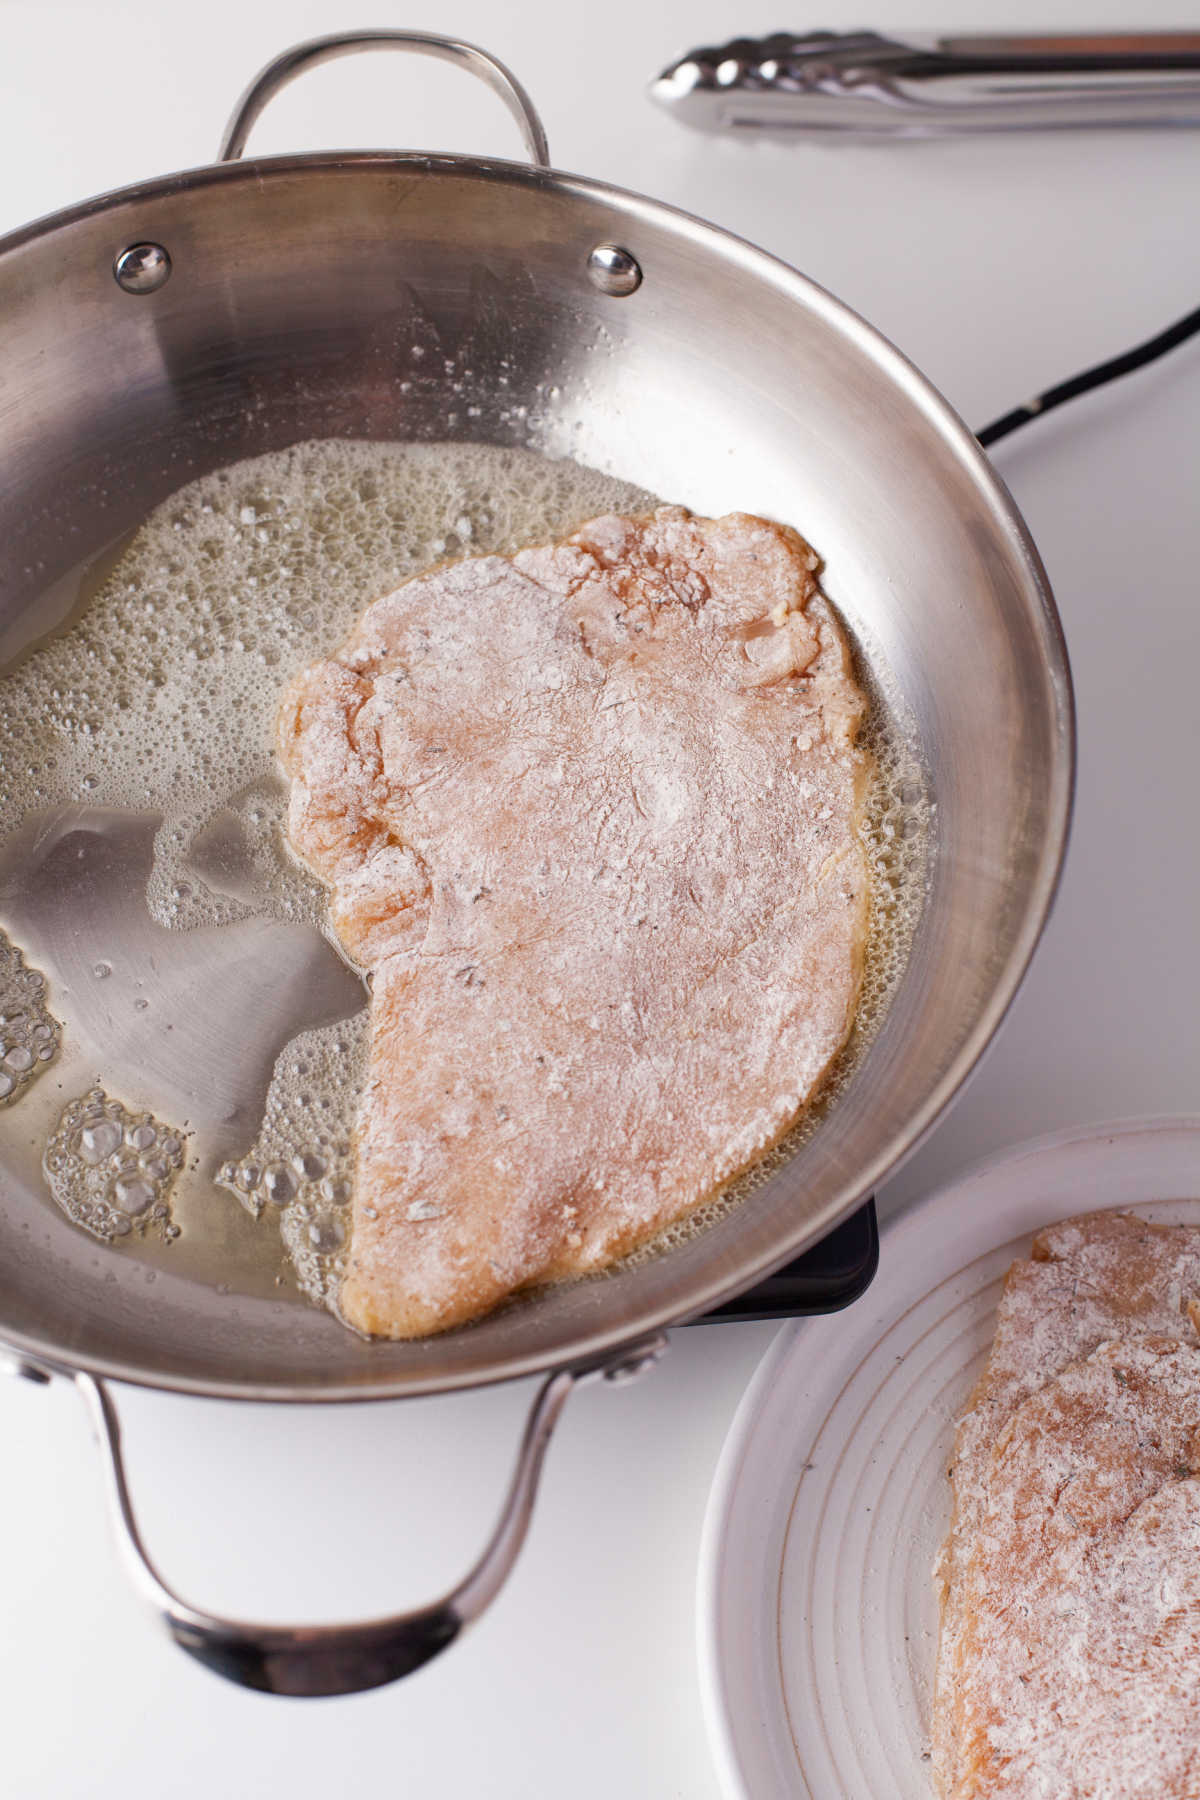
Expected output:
(1092, 1278)
(1079, 1672)
(591, 815)
(1069, 1653)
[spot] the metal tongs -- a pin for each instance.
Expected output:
(923, 85)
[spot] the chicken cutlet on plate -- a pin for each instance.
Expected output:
(591, 815)
(1070, 1606)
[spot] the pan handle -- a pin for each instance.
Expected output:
(309, 1660)
(293, 62)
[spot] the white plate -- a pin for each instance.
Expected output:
(817, 1621)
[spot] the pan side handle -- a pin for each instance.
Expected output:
(306, 1661)
(290, 63)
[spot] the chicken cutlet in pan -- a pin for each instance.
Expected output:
(592, 817)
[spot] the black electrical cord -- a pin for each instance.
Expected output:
(1093, 378)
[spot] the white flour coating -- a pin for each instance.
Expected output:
(1058, 1693)
(897, 845)
(1100, 1277)
(1111, 1709)
(591, 815)
(29, 1033)
(896, 824)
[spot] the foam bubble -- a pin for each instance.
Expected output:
(300, 1167)
(30, 1035)
(111, 1170)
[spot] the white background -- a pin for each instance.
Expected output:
(999, 266)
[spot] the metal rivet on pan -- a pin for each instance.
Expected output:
(142, 269)
(16, 1365)
(614, 271)
(638, 1363)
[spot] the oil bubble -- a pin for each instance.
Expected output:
(29, 1034)
(93, 1169)
(310, 1188)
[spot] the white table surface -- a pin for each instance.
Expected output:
(1000, 266)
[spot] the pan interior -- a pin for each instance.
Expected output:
(723, 383)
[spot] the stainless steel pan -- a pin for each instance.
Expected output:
(159, 332)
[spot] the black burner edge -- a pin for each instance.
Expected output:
(831, 1275)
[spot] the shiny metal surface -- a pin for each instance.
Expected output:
(304, 1661)
(142, 269)
(284, 68)
(614, 271)
(731, 382)
(922, 85)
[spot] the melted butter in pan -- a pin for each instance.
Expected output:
(143, 831)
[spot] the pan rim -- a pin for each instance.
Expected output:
(604, 1341)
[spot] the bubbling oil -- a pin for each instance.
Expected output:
(111, 1170)
(29, 1033)
(161, 698)
(301, 1164)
